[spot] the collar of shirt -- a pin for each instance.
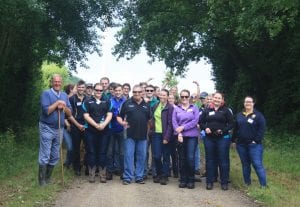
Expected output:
(57, 94)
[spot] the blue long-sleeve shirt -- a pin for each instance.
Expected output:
(249, 128)
(49, 97)
(116, 104)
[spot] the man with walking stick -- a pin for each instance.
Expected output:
(54, 105)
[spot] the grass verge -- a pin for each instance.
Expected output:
(282, 163)
(19, 172)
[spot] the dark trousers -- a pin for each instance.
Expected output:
(217, 153)
(77, 138)
(161, 155)
(97, 143)
(115, 152)
(186, 152)
(174, 155)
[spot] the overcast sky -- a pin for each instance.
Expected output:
(138, 69)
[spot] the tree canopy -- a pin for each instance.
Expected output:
(253, 47)
(32, 31)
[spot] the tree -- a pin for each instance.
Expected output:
(32, 31)
(170, 80)
(253, 47)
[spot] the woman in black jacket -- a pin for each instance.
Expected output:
(216, 120)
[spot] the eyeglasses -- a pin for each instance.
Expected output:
(184, 97)
(136, 91)
(98, 90)
(149, 90)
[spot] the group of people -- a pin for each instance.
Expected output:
(118, 131)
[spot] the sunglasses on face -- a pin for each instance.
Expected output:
(182, 97)
(149, 90)
(136, 91)
(98, 90)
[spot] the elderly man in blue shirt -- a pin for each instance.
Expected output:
(54, 105)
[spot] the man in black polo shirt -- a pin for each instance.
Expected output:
(77, 132)
(134, 117)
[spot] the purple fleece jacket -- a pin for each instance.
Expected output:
(186, 118)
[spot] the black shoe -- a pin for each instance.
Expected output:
(175, 175)
(156, 179)
(224, 186)
(141, 181)
(42, 175)
(197, 172)
(209, 186)
(126, 182)
(86, 172)
(109, 176)
(145, 177)
(190, 185)
(182, 185)
(163, 181)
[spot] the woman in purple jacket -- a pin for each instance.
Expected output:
(162, 133)
(185, 118)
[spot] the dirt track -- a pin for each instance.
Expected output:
(113, 193)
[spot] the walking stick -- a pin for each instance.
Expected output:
(61, 151)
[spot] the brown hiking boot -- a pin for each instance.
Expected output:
(102, 175)
(92, 174)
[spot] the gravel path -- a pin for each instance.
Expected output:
(113, 193)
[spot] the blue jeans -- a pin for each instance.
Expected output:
(134, 148)
(68, 142)
(152, 164)
(96, 148)
(197, 157)
(159, 151)
(49, 144)
(186, 152)
(115, 152)
(252, 154)
(217, 154)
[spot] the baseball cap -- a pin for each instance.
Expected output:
(203, 94)
(89, 85)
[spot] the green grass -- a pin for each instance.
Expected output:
(19, 172)
(282, 164)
